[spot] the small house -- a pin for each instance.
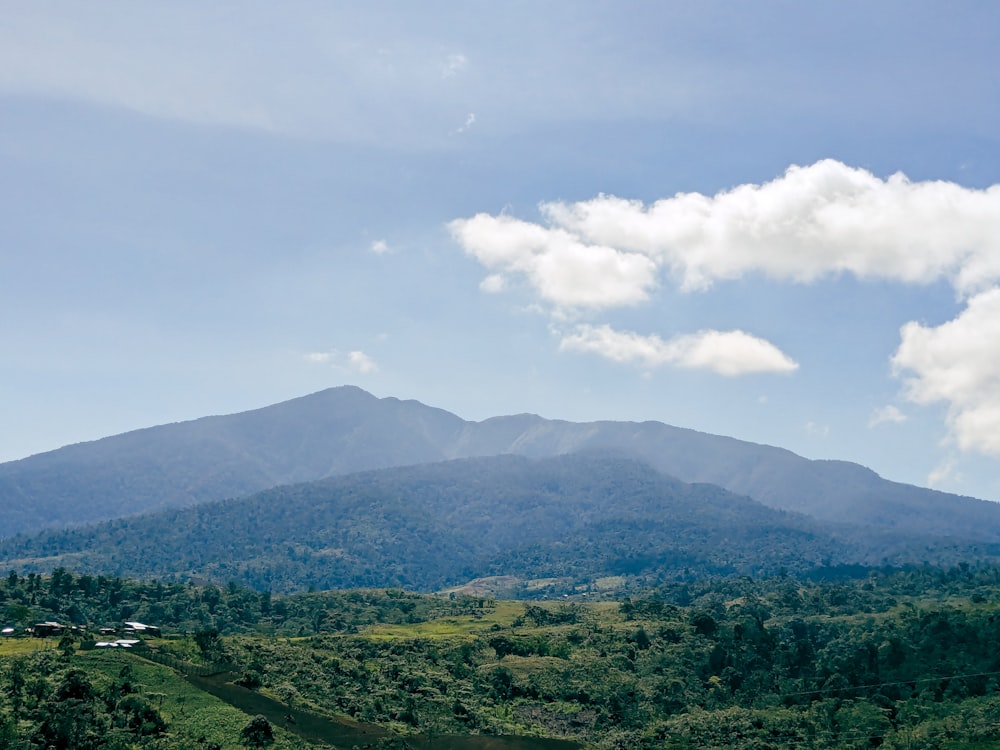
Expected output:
(138, 628)
(119, 643)
(45, 629)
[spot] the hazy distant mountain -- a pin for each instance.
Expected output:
(575, 518)
(344, 430)
(336, 431)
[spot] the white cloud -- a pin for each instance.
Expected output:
(493, 284)
(380, 247)
(957, 363)
(361, 363)
(945, 473)
(470, 120)
(815, 220)
(561, 269)
(888, 414)
(817, 430)
(812, 221)
(356, 361)
(724, 352)
(454, 65)
(333, 71)
(320, 357)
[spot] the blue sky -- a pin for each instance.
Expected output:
(778, 221)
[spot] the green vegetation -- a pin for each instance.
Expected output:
(113, 700)
(596, 521)
(901, 659)
(345, 430)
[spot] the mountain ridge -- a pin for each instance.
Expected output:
(575, 518)
(343, 430)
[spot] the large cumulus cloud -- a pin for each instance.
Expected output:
(958, 363)
(811, 222)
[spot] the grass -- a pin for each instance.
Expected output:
(503, 614)
(193, 716)
(610, 583)
(15, 646)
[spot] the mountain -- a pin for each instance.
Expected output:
(576, 518)
(337, 431)
(345, 430)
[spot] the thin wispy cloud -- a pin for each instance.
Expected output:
(355, 361)
(361, 363)
(493, 284)
(454, 65)
(817, 430)
(320, 357)
(470, 120)
(886, 415)
(945, 472)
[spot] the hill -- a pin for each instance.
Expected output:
(345, 430)
(571, 520)
(905, 659)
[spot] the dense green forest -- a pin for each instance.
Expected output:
(571, 520)
(897, 658)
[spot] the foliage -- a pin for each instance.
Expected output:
(209, 611)
(898, 659)
(346, 430)
(892, 659)
(572, 519)
(113, 701)
(257, 733)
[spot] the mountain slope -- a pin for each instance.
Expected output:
(336, 431)
(577, 517)
(829, 490)
(344, 430)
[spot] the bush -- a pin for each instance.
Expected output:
(257, 733)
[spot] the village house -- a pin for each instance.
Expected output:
(45, 629)
(138, 628)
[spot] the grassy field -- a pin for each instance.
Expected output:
(195, 718)
(503, 615)
(14, 646)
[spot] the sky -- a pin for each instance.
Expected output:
(777, 221)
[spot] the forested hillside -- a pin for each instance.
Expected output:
(571, 520)
(346, 430)
(899, 659)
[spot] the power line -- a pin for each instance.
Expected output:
(888, 684)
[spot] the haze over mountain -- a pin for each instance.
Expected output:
(344, 430)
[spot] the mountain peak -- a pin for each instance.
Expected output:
(346, 429)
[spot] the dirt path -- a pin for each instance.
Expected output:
(307, 725)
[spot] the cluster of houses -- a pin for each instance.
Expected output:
(133, 632)
(131, 628)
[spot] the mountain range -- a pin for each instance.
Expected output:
(490, 497)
